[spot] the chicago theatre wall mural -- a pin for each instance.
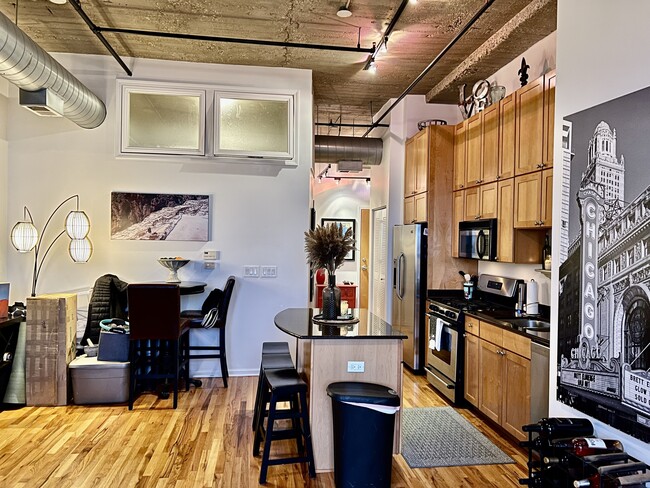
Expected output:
(604, 302)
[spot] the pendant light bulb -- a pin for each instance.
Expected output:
(372, 67)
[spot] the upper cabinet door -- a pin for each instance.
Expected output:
(490, 136)
(460, 139)
(474, 146)
(254, 125)
(421, 161)
(507, 137)
(549, 117)
(529, 154)
(162, 121)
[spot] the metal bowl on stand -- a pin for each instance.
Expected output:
(173, 265)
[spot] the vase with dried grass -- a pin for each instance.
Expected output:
(326, 247)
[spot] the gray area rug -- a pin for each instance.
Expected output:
(438, 436)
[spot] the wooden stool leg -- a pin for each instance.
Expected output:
(295, 423)
(176, 365)
(268, 438)
(307, 433)
(258, 399)
(259, 428)
(222, 356)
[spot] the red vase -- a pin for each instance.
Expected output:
(320, 276)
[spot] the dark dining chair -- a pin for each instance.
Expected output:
(159, 338)
(219, 301)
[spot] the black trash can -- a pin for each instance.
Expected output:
(364, 422)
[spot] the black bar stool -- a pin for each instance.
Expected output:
(269, 362)
(270, 349)
(284, 385)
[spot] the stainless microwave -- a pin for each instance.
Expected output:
(477, 239)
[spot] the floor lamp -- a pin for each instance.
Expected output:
(26, 238)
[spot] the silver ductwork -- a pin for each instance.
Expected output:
(332, 149)
(25, 64)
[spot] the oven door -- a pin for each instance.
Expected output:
(442, 346)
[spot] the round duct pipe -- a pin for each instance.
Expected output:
(25, 64)
(332, 149)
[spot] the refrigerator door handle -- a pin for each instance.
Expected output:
(400, 276)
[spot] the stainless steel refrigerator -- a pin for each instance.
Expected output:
(410, 289)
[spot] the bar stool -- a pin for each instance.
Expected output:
(284, 385)
(269, 362)
(270, 349)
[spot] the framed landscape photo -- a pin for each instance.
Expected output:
(160, 217)
(345, 224)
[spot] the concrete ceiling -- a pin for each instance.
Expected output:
(343, 91)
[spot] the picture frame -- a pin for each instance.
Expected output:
(345, 224)
(160, 217)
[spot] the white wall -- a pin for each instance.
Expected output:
(342, 201)
(4, 177)
(600, 45)
(388, 178)
(259, 213)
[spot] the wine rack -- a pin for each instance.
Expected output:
(559, 467)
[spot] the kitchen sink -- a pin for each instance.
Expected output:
(524, 323)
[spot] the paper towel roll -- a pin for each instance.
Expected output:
(532, 300)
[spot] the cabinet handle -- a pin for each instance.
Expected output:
(470, 325)
(540, 165)
(541, 222)
(498, 177)
(461, 186)
(478, 181)
(477, 217)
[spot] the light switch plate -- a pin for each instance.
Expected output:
(269, 271)
(251, 271)
(209, 255)
(356, 366)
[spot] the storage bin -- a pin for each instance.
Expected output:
(96, 381)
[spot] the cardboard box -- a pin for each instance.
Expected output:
(49, 348)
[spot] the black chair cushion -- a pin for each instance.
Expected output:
(285, 380)
(275, 348)
(277, 361)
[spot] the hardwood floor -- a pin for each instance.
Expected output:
(206, 442)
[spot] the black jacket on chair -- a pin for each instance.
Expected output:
(108, 301)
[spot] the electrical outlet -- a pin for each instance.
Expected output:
(356, 366)
(251, 271)
(209, 265)
(209, 255)
(269, 271)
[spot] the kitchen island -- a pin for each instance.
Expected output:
(323, 357)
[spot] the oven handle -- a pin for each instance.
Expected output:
(450, 386)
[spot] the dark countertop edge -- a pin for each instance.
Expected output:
(337, 337)
(505, 325)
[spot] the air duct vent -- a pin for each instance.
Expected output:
(42, 102)
(352, 166)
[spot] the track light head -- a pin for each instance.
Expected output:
(372, 67)
(344, 12)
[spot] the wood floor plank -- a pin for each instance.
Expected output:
(207, 442)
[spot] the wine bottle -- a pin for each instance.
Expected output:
(606, 476)
(546, 253)
(535, 479)
(555, 427)
(638, 480)
(594, 459)
(585, 446)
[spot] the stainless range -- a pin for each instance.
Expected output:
(445, 328)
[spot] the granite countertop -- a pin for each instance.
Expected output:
(297, 322)
(501, 318)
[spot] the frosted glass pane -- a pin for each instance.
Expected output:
(164, 121)
(254, 125)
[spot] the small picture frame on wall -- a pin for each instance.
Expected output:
(345, 224)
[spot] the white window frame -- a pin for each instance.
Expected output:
(127, 88)
(236, 153)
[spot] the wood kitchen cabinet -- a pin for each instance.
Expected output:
(505, 234)
(490, 141)
(474, 148)
(481, 202)
(529, 120)
(533, 206)
(415, 208)
(507, 133)
(416, 164)
(460, 138)
(472, 370)
(498, 383)
(549, 118)
(348, 293)
(458, 214)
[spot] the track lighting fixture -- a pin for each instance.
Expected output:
(368, 182)
(337, 180)
(344, 11)
(372, 67)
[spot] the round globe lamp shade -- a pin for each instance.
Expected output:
(77, 224)
(80, 250)
(24, 236)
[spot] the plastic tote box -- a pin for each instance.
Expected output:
(96, 381)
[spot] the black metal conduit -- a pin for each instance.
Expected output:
(340, 124)
(387, 33)
(417, 80)
(77, 6)
(97, 30)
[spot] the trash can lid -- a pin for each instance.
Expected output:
(357, 392)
